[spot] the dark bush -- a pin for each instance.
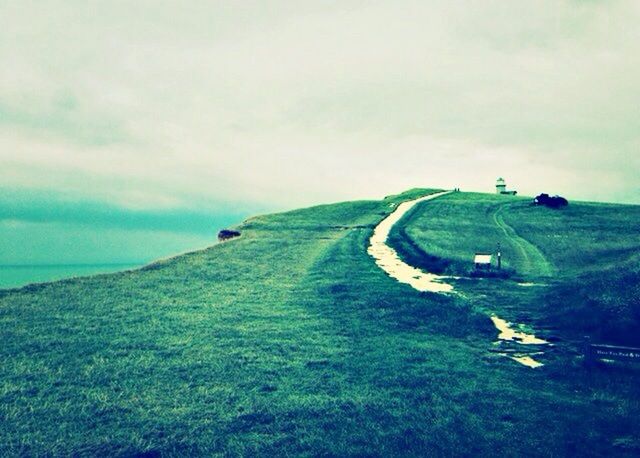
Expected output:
(551, 202)
(226, 234)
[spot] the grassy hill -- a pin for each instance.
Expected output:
(291, 341)
(585, 257)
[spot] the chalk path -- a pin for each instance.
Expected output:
(388, 260)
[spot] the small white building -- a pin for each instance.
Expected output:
(501, 188)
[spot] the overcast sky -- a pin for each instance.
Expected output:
(181, 104)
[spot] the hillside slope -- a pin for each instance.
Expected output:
(289, 340)
(584, 259)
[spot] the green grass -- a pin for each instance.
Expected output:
(453, 228)
(288, 341)
(597, 250)
(583, 237)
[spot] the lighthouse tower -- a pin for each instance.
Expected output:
(501, 186)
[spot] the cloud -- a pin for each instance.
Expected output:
(168, 104)
(20, 207)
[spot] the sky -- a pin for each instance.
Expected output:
(170, 107)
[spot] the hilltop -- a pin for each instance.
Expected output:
(291, 340)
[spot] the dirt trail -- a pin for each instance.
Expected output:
(533, 261)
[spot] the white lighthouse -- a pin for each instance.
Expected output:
(501, 186)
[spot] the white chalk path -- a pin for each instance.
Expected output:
(388, 260)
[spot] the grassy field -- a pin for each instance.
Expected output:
(452, 229)
(291, 341)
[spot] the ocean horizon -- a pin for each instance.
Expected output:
(47, 240)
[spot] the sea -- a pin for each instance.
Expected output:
(36, 253)
(13, 276)
(47, 240)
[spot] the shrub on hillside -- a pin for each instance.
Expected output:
(549, 201)
(226, 234)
